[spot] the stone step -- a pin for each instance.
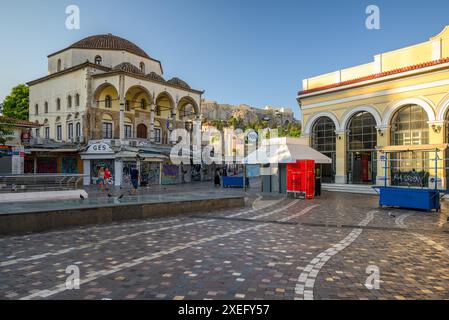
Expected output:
(348, 188)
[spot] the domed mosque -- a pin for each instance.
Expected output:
(106, 89)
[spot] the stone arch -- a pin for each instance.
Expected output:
(100, 94)
(166, 103)
(311, 121)
(186, 100)
(136, 93)
(443, 108)
(393, 108)
(350, 113)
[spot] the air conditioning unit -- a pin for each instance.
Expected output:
(116, 143)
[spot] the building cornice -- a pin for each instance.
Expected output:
(143, 77)
(376, 78)
(69, 70)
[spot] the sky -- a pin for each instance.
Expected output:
(252, 52)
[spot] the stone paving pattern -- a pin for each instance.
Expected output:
(257, 252)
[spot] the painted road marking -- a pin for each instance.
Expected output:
(119, 238)
(101, 273)
(306, 281)
(400, 222)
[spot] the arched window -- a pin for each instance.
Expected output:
(77, 100)
(142, 67)
(58, 104)
(108, 102)
(59, 67)
(78, 130)
(409, 127)
(142, 131)
(69, 101)
(362, 142)
(98, 60)
(143, 104)
(324, 141)
(46, 107)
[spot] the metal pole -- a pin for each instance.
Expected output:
(436, 169)
(386, 169)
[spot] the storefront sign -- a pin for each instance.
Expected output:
(100, 148)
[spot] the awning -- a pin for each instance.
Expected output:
(416, 148)
(285, 150)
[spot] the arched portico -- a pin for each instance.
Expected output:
(370, 109)
(106, 97)
(393, 108)
(138, 98)
(311, 121)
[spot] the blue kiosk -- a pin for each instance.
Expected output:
(409, 188)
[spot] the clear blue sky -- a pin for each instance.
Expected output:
(239, 51)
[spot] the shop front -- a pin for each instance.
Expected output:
(99, 155)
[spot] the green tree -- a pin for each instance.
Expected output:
(5, 130)
(16, 105)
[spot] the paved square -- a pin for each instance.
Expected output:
(274, 248)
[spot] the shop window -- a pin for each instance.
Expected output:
(324, 141)
(409, 126)
(362, 142)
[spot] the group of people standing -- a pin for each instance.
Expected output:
(104, 178)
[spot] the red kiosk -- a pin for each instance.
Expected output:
(301, 179)
(287, 166)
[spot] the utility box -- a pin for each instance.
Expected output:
(301, 179)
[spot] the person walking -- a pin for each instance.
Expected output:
(217, 178)
(134, 179)
(107, 178)
(100, 180)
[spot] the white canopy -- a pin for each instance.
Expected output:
(285, 150)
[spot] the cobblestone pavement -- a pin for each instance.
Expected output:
(274, 248)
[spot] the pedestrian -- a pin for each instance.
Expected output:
(100, 179)
(134, 179)
(107, 178)
(217, 178)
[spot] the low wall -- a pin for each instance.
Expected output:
(43, 196)
(22, 223)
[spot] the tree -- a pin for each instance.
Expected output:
(5, 130)
(16, 105)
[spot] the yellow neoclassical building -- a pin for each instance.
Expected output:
(399, 99)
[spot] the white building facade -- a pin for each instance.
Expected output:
(106, 90)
